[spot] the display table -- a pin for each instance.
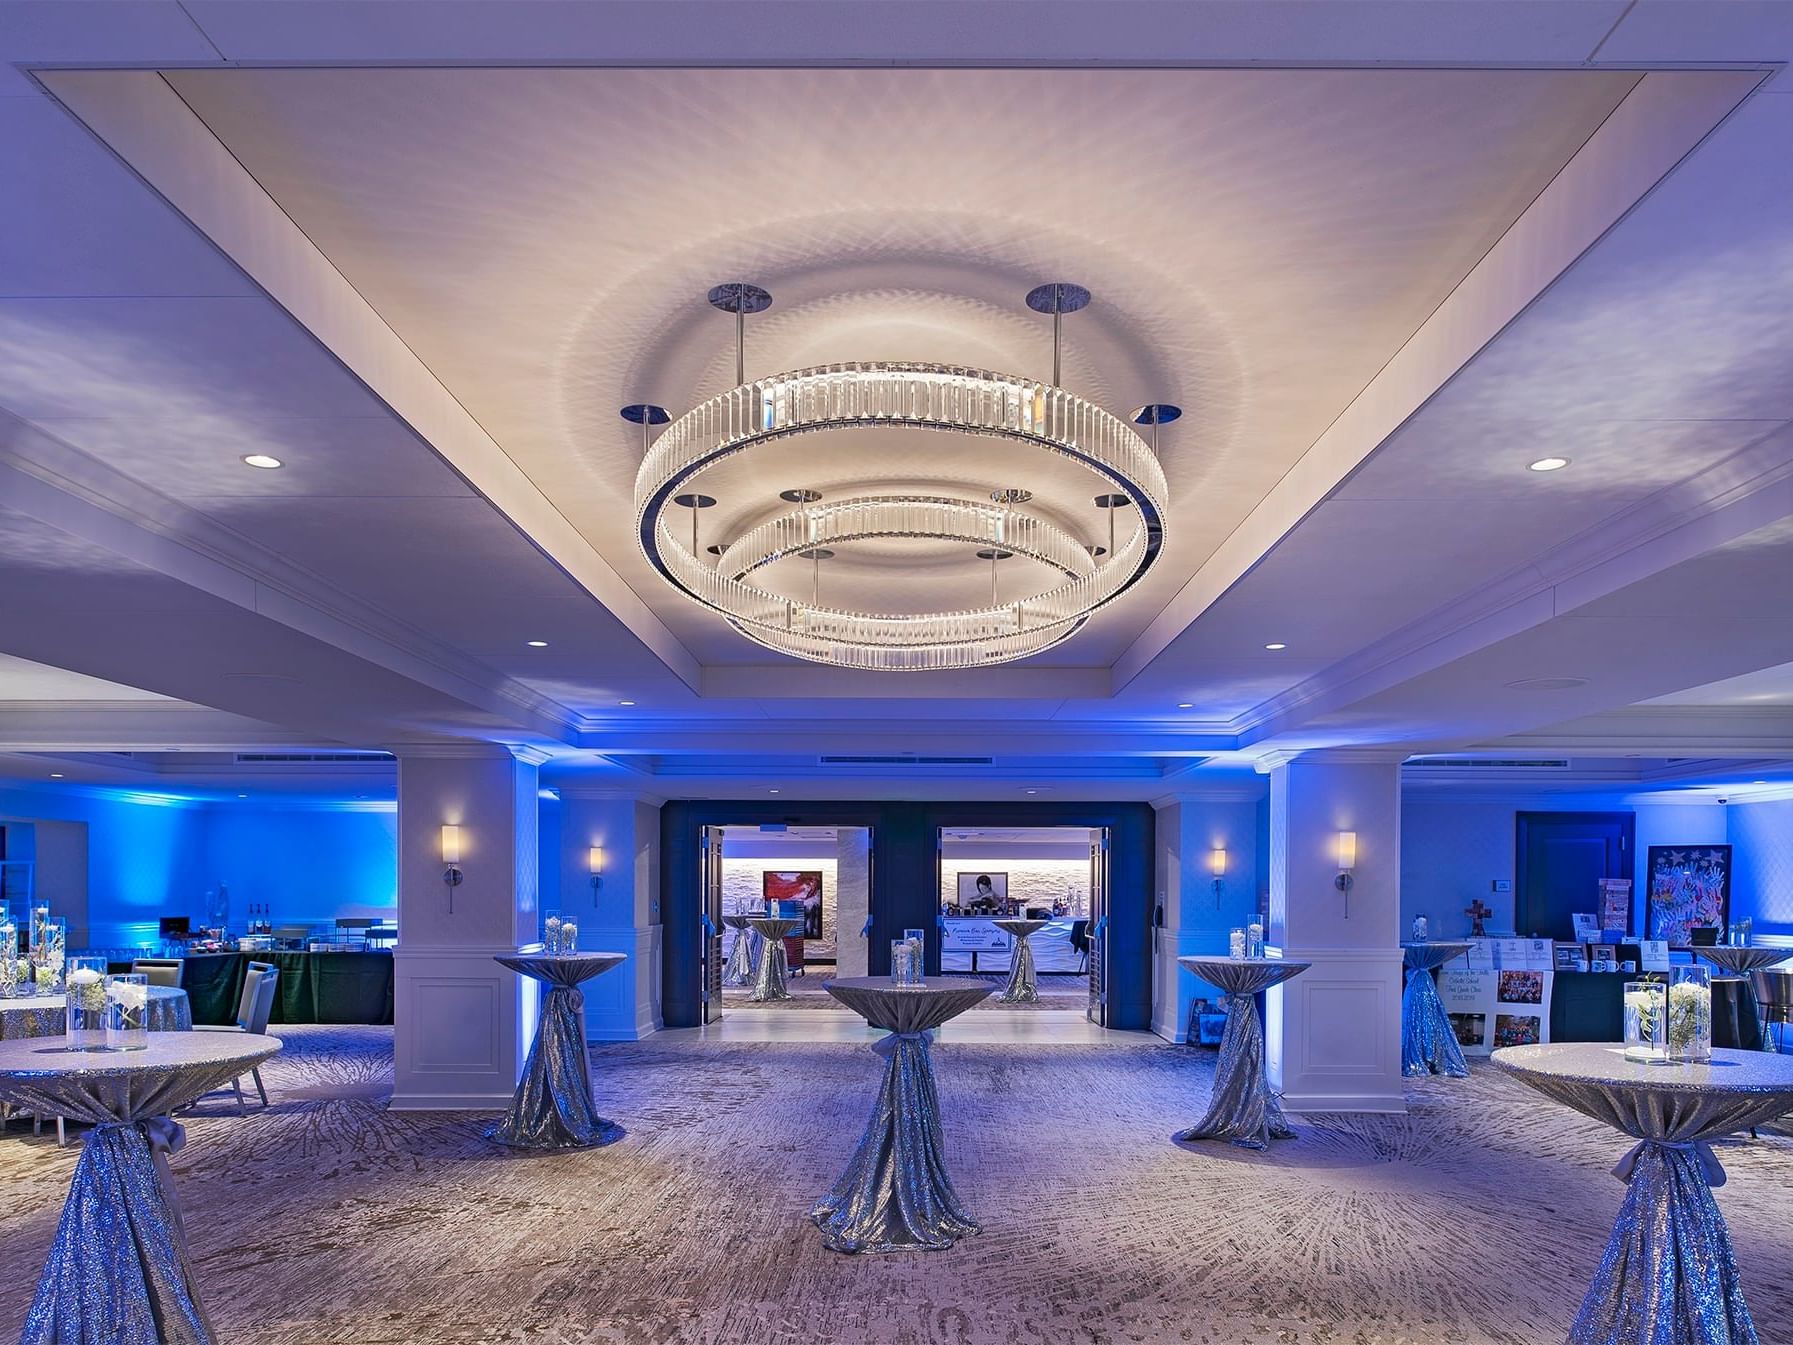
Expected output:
(552, 1107)
(768, 971)
(1242, 1108)
(1023, 986)
(1668, 1274)
(1428, 1046)
(321, 987)
(895, 1194)
(47, 1015)
(738, 970)
(119, 1270)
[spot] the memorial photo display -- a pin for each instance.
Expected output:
(989, 890)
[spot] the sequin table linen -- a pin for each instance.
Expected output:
(552, 1107)
(1668, 1276)
(895, 1194)
(1739, 960)
(1024, 985)
(119, 1272)
(46, 1015)
(768, 970)
(738, 970)
(1242, 1108)
(1428, 1046)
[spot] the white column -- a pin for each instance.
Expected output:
(1334, 1031)
(462, 1022)
(852, 900)
(1197, 918)
(621, 913)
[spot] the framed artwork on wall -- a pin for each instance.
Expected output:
(804, 885)
(983, 889)
(1688, 887)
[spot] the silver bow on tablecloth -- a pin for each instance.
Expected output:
(1242, 1108)
(1668, 1276)
(895, 1194)
(1428, 1046)
(552, 1107)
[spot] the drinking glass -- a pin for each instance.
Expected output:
(85, 1013)
(127, 1012)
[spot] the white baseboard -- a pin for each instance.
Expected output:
(450, 1102)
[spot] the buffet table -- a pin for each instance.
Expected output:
(333, 987)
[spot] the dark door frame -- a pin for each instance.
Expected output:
(906, 881)
(1523, 818)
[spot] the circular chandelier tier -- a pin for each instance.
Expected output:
(947, 398)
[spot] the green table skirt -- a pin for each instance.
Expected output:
(314, 987)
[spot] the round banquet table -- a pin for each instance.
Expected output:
(1428, 1046)
(1024, 985)
(119, 1270)
(1668, 1276)
(552, 1107)
(1242, 1108)
(46, 1015)
(895, 1194)
(738, 970)
(768, 971)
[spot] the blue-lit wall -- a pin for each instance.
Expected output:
(1761, 836)
(305, 864)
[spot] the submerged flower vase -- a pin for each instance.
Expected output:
(1646, 1022)
(1690, 1016)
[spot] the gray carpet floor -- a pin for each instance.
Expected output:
(1477, 1217)
(1057, 991)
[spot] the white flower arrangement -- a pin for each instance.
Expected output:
(1689, 1013)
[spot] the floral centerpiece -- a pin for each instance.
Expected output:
(9, 959)
(1646, 1022)
(127, 1012)
(1690, 1015)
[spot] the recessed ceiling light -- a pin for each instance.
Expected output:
(1758, 782)
(1185, 705)
(242, 796)
(625, 702)
(537, 644)
(57, 775)
(1549, 464)
(1277, 644)
(771, 791)
(1030, 791)
(1548, 683)
(263, 461)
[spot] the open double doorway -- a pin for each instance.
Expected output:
(822, 883)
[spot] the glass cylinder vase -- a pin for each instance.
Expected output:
(1690, 1015)
(9, 959)
(1235, 943)
(905, 965)
(1646, 1022)
(551, 936)
(569, 937)
(85, 1000)
(127, 1012)
(49, 951)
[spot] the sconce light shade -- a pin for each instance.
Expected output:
(451, 844)
(1217, 861)
(596, 859)
(1347, 851)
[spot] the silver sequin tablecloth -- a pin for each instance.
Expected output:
(1428, 1046)
(768, 971)
(1024, 985)
(119, 1272)
(1668, 1276)
(895, 1194)
(552, 1108)
(738, 970)
(1741, 959)
(1242, 1108)
(46, 1015)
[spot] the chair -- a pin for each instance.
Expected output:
(291, 936)
(793, 954)
(254, 1008)
(1774, 993)
(1080, 943)
(164, 971)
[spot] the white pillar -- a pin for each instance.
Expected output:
(1334, 1031)
(852, 900)
(1197, 918)
(621, 914)
(462, 1022)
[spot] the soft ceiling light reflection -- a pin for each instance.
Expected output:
(263, 461)
(1276, 644)
(1549, 464)
(537, 644)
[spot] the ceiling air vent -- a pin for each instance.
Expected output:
(907, 761)
(311, 758)
(1485, 764)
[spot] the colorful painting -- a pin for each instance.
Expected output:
(801, 885)
(1689, 886)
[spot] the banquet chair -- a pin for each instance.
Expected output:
(163, 971)
(1080, 943)
(1774, 993)
(254, 1008)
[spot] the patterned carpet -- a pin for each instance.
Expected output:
(1057, 991)
(1478, 1217)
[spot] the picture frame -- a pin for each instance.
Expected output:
(799, 885)
(982, 887)
(1686, 886)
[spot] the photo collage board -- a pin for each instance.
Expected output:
(1499, 994)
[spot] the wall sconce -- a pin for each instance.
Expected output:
(1217, 867)
(1347, 857)
(451, 856)
(595, 861)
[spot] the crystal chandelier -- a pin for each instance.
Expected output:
(971, 402)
